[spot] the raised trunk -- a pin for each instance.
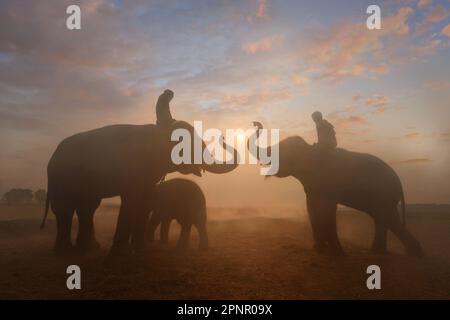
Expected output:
(254, 147)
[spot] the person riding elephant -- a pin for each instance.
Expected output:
(117, 160)
(163, 115)
(326, 135)
(356, 180)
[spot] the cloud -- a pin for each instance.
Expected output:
(423, 3)
(379, 69)
(412, 135)
(39, 33)
(417, 161)
(356, 97)
(428, 48)
(302, 84)
(378, 102)
(344, 122)
(343, 50)
(446, 30)
(255, 98)
(438, 85)
(445, 136)
(262, 9)
(438, 13)
(261, 45)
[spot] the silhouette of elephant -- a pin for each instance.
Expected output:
(183, 200)
(356, 180)
(117, 160)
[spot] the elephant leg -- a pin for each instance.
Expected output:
(152, 226)
(164, 231)
(203, 235)
(328, 209)
(64, 214)
(123, 228)
(412, 246)
(143, 205)
(183, 240)
(86, 231)
(138, 237)
(379, 244)
(315, 220)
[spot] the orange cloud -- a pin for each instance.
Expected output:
(412, 135)
(437, 14)
(261, 45)
(345, 122)
(260, 13)
(412, 161)
(377, 101)
(423, 3)
(380, 69)
(339, 53)
(256, 98)
(438, 84)
(446, 30)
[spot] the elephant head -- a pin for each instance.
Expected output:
(193, 168)
(295, 153)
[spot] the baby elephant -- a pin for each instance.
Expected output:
(184, 201)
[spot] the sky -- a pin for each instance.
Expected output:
(229, 63)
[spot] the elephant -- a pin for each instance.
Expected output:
(117, 160)
(356, 180)
(183, 200)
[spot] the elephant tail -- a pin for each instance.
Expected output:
(402, 200)
(47, 206)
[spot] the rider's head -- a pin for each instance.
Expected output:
(317, 116)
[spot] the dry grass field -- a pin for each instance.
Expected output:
(254, 254)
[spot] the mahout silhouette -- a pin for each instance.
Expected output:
(182, 200)
(326, 136)
(117, 160)
(163, 115)
(356, 180)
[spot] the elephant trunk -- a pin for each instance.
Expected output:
(223, 167)
(254, 149)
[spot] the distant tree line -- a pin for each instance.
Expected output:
(24, 196)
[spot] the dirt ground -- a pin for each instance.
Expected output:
(254, 254)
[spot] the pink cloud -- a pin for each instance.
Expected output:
(356, 97)
(262, 9)
(423, 3)
(342, 50)
(377, 101)
(438, 84)
(256, 98)
(261, 45)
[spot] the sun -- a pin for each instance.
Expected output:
(241, 137)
